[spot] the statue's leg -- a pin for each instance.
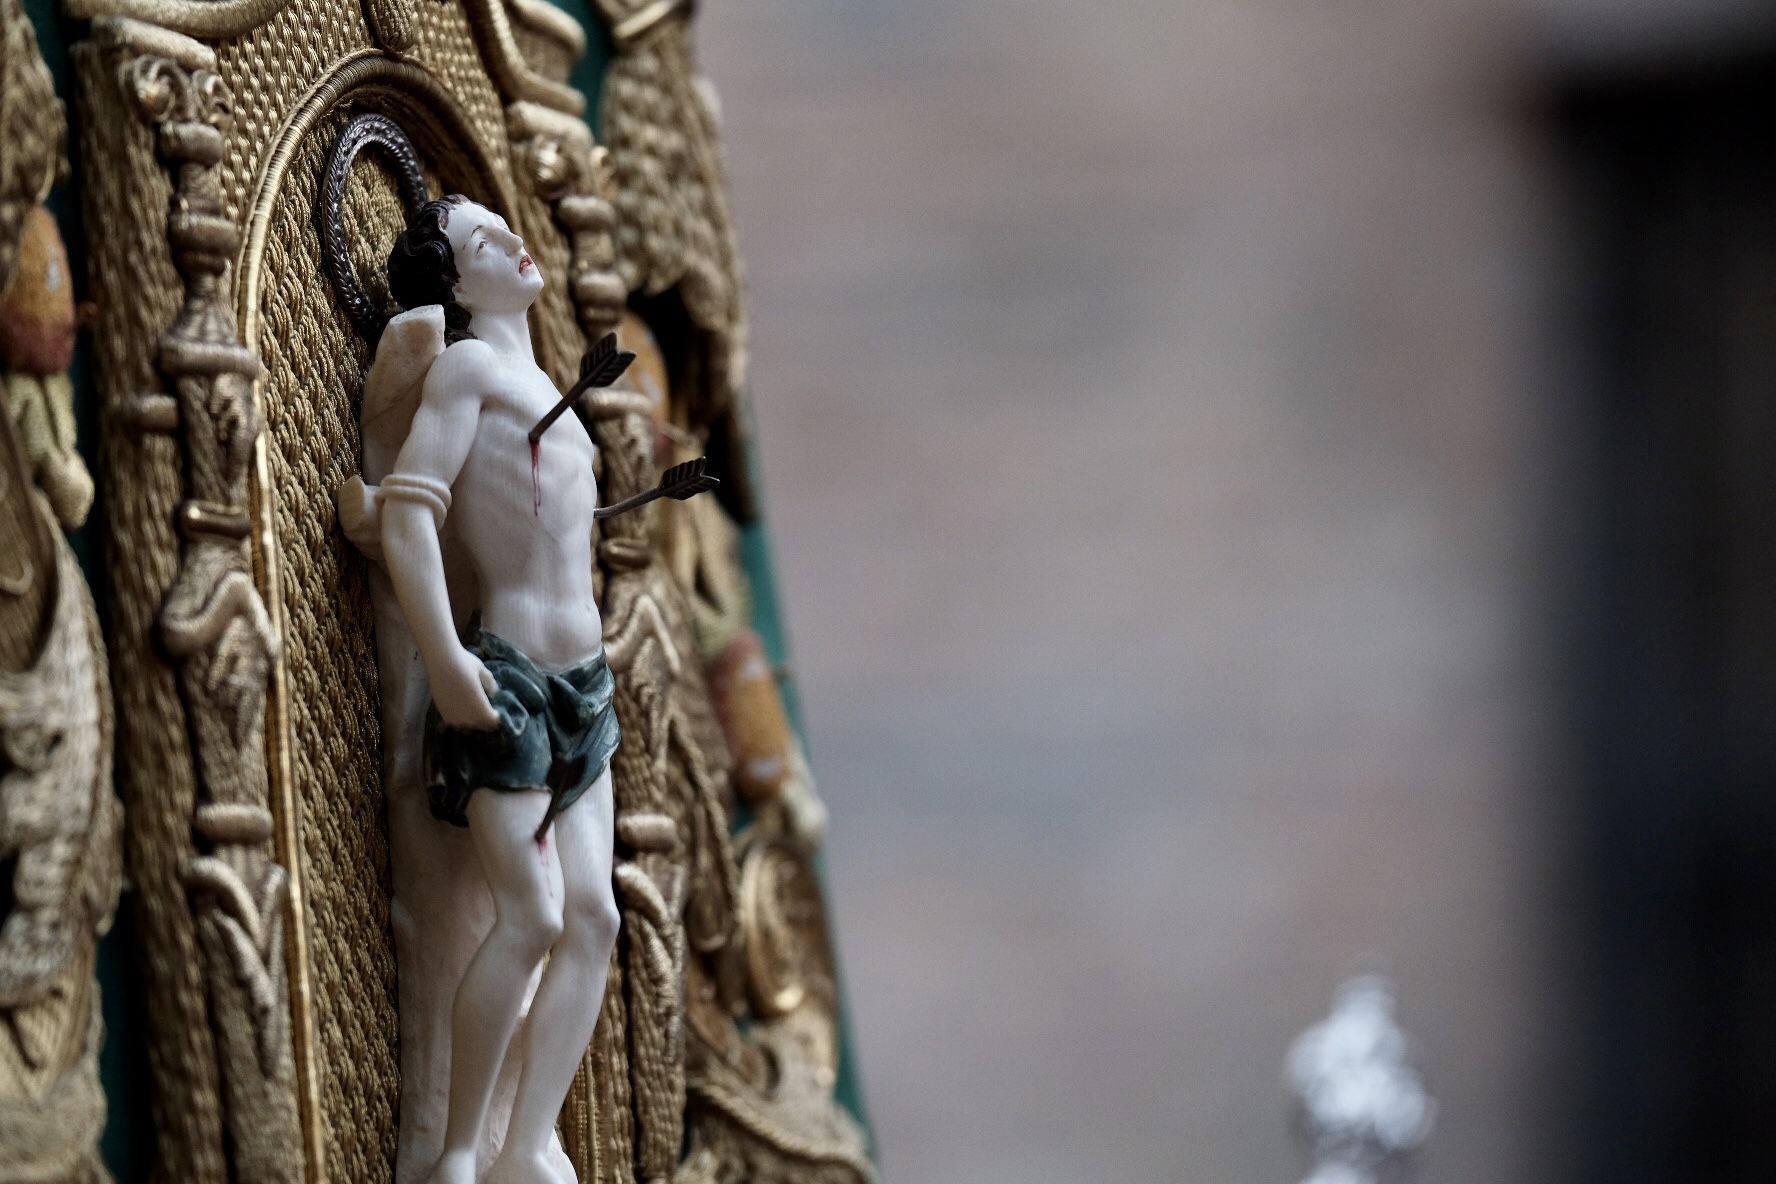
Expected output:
(567, 1002)
(525, 878)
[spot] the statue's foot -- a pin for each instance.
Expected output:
(453, 1167)
(511, 1168)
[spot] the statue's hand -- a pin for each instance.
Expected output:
(460, 692)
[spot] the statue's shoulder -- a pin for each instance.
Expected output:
(465, 369)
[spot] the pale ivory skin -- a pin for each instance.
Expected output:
(533, 565)
(440, 906)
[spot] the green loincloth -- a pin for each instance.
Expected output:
(556, 732)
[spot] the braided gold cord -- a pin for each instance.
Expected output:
(673, 224)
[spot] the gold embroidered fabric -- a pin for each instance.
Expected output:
(245, 673)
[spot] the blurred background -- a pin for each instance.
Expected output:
(1265, 490)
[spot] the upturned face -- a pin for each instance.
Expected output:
(494, 273)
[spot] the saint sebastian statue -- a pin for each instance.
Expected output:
(498, 718)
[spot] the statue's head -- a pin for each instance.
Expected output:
(462, 255)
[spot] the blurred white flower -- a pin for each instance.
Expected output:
(1361, 1105)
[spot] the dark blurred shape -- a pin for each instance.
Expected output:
(1612, 38)
(1673, 622)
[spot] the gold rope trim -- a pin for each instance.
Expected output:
(639, 23)
(198, 18)
(539, 16)
(506, 62)
(739, 1110)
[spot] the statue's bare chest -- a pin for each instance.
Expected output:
(552, 478)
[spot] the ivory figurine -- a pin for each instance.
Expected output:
(498, 714)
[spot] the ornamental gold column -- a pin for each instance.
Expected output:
(214, 898)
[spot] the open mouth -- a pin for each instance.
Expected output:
(525, 265)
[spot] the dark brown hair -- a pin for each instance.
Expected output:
(422, 266)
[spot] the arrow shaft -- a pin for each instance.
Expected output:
(573, 393)
(630, 503)
(681, 481)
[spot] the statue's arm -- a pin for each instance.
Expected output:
(415, 499)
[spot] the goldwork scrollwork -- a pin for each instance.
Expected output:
(211, 622)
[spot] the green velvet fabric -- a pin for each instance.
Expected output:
(767, 621)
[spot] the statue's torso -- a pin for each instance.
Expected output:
(525, 518)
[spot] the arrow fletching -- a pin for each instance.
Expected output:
(679, 482)
(687, 480)
(604, 363)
